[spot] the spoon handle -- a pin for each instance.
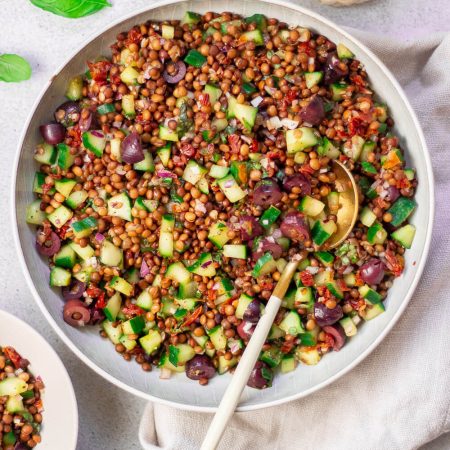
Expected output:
(247, 362)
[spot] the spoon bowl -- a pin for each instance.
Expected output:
(348, 204)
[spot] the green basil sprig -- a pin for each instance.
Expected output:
(73, 9)
(14, 68)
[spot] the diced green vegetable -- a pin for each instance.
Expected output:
(195, 58)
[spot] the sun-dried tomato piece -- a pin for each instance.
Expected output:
(306, 278)
(99, 71)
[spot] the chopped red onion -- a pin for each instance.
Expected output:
(165, 174)
(97, 133)
(99, 237)
(144, 269)
(206, 264)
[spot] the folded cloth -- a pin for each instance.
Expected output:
(399, 396)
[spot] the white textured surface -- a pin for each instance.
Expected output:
(109, 417)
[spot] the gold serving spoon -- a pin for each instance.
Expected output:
(346, 218)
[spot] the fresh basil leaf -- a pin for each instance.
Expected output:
(73, 9)
(14, 68)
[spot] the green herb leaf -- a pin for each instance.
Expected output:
(14, 68)
(72, 9)
(173, 355)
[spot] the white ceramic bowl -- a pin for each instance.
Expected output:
(60, 416)
(179, 391)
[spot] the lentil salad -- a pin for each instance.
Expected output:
(20, 402)
(186, 170)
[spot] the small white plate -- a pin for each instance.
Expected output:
(60, 416)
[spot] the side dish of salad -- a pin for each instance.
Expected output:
(185, 170)
(20, 402)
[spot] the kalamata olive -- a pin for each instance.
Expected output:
(74, 290)
(97, 316)
(68, 113)
(334, 69)
(326, 316)
(20, 446)
(49, 245)
(392, 194)
(295, 227)
(131, 149)
(23, 363)
(245, 330)
(200, 366)
(53, 133)
(265, 245)
(76, 313)
(372, 272)
(261, 376)
(338, 334)
(175, 72)
(266, 193)
(314, 112)
(253, 311)
(298, 180)
(249, 228)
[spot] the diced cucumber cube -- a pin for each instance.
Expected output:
(178, 273)
(313, 79)
(121, 285)
(231, 189)
(307, 355)
(401, 210)
(59, 277)
(322, 231)
(218, 338)
(235, 251)
(83, 252)
(204, 266)
(243, 302)
(12, 386)
(146, 165)
(66, 257)
(311, 206)
(129, 76)
(218, 234)
(112, 307)
(405, 235)
(34, 215)
(134, 325)
(369, 294)
(95, 141)
(113, 333)
(119, 206)
(60, 216)
(376, 234)
(300, 139)
(193, 172)
(367, 217)
(343, 52)
(217, 171)
(287, 363)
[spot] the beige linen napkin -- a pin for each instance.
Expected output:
(399, 396)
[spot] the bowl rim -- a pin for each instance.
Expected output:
(419, 268)
(4, 315)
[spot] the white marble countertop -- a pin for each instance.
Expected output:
(109, 417)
